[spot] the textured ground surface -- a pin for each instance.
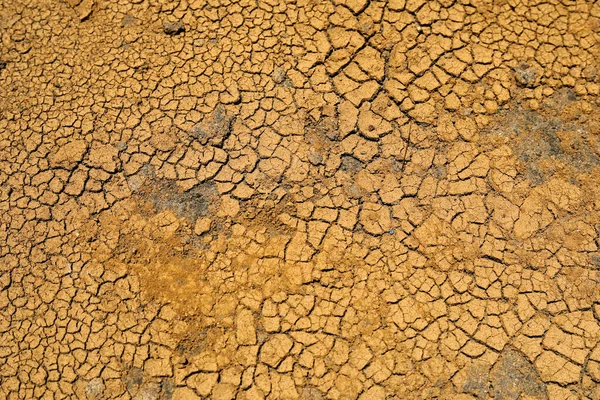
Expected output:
(307, 199)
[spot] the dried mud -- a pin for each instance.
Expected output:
(299, 200)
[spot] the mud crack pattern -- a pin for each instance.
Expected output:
(311, 199)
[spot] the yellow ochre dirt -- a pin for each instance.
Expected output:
(301, 199)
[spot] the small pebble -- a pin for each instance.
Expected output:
(173, 28)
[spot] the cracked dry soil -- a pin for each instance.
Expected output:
(303, 199)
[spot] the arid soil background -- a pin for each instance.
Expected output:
(306, 199)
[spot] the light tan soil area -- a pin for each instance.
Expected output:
(302, 199)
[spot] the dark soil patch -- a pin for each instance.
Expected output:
(163, 194)
(553, 133)
(351, 165)
(514, 377)
(477, 382)
(191, 204)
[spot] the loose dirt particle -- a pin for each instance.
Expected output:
(173, 28)
(525, 75)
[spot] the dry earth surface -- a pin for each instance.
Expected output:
(313, 199)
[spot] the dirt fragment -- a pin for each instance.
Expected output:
(214, 129)
(69, 155)
(525, 75)
(173, 28)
